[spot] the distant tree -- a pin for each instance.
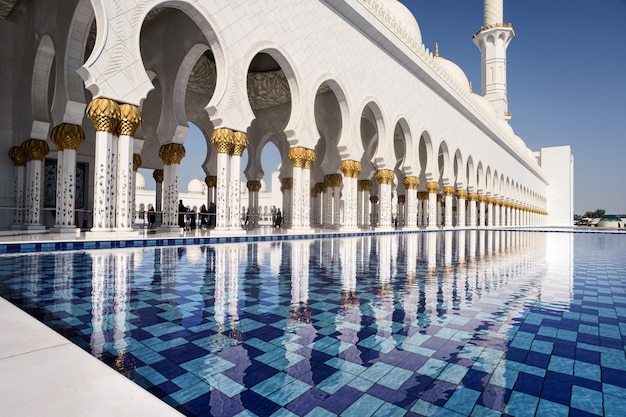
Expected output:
(588, 214)
(599, 213)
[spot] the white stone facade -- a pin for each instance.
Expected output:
(341, 87)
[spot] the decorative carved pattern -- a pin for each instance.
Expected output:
(365, 185)
(411, 183)
(448, 190)
(422, 195)
(432, 187)
(222, 139)
(461, 194)
(67, 136)
(104, 114)
(18, 156)
(472, 197)
(350, 168)
(268, 89)
(172, 153)
(310, 158)
(157, 174)
(130, 119)
(35, 149)
(384, 176)
(482, 198)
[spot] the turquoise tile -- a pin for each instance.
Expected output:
(521, 405)
(463, 400)
(586, 399)
(587, 371)
(365, 406)
(614, 406)
(561, 365)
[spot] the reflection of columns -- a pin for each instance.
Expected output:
(374, 208)
(157, 174)
(433, 188)
(448, 192)
(253, 201)
(35, 150)
(18, 156)
(105, 116)
(481, 210)
(384, 177)
(351, 170)
(410, 184)
(363, 202)
(472, 197)
(171, 155)
(222, 139)
(287, 189)
(240, 143)
(130, 120)
(461, 195)
(67, 137)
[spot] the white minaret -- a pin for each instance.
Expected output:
(492, 39)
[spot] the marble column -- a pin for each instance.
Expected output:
(461, 216)
(448, 192)
(310, 157)
(482, 199)
(351, 170)
(401, 215)
(130, 120)
(496, 212)
(35, 150)
(374, 221)
(105, 116)
(422, 208)
(328, 201)
(336, 198)
(297, 155)
(384, 177)
(471, 198)
(410, 184)
(18, 156)
(171, 154)
(240, 143)
(157, 174)
(222, 139)
(136, 165)
(363, 204)
(433, 188)
(253, 202)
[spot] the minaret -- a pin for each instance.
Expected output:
(492, 39)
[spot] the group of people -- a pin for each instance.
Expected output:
(188, 219)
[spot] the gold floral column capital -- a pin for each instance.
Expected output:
(211, 181)
(411, 182)
(350, 168)
(130, 119)
(461, 194)
(240, 143)
(136, 161)
(104, 113)
(253, 186)
(364, 185)
(310, 158)
(482, 198)
(18, 156)
(223, 139)
(157, 174)
(35, 149)
(286, 184)
(401, 199)
(384, 176)
(67, 136)
(298, 155)
(172, 153)
(472, 197)
(432, 187)
(448, 190)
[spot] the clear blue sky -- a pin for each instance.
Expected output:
(566, 84)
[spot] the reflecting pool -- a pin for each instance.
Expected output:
(439, 323)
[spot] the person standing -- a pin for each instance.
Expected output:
(182, 211)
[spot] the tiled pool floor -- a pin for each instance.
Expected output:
(448, 323)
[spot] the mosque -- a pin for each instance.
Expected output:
(374, 129)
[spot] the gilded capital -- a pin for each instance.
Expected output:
(310, 158)
(401, 199)
(374, 199)
(350, 168)
(298, 155)
(157, 174)
(336, 180)
(365, 185)
(472, 197)
(35, 149)
(253, 186)
(490, 200)
(172, 153)
(211, 181)
(18, 156)
(448, 190)
(223, 139)
(136, 162)
(384, 176)
(432, 187)
(240, 143)
(461, 194)
(482, 198)
(287, 184)
(411, 183)
(104, 113)
(130, 119)
(67, 136)
(422, 195)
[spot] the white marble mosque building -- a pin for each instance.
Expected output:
(374, 130)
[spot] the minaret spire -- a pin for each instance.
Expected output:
(493, 39)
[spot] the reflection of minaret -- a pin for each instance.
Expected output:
(348, 318)
(492, 39)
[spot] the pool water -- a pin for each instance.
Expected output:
(458, 323)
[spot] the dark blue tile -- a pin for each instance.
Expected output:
(556, 391)
(528, 384)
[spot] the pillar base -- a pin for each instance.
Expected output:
(384, 228)
(66, 230)
(34, 227)
(299, 230)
